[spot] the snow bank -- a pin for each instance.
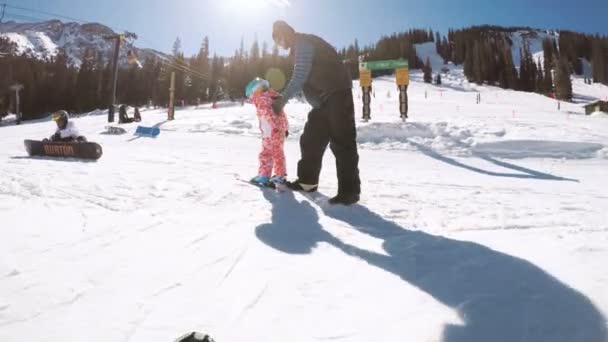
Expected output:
(9, 119)
(603, 153)
(441, 135)
(599, 115)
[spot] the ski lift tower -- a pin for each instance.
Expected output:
(17, 88)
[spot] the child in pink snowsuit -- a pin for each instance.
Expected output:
(274, 130)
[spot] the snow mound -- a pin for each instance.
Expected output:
(8, 119)
(97, 112)
(439, 136)
(599, 115)
(603, 153)
(519, 149)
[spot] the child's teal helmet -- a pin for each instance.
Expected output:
(255, 85)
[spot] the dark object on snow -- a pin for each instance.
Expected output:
(111, 111)
(122, 115)
(137, 115)
(82, 150)
(195, 337)
(597, 106)
(114, 130)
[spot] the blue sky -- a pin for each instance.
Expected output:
(159, 22)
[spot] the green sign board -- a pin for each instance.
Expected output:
(384, 65)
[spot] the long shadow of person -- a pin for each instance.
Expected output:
(498, 297)
(295, 227)
(521, 172)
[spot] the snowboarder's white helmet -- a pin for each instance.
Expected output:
(61, 118)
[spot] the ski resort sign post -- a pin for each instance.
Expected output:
(402, 75)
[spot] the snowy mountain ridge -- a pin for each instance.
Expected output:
(46, 39)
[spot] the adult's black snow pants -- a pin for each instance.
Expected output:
(332, 123)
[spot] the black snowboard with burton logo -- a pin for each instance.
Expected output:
(81, 150)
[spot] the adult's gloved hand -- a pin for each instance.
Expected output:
(277, 105)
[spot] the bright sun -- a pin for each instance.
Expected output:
(246, 5)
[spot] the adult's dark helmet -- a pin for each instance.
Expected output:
(282, 33)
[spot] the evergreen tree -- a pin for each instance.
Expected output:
(177, 47)
(438, 46)
(540, 78)
(469, 63)
(563, 83)
(510, 71)
(85, 86)
(478, 63)
(428, 71)
(598, 62)
(549, 54)
(523, 73)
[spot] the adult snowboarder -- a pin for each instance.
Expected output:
(327, 86)
(122, 115)
(66, 130)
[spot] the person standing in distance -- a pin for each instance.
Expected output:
(326, 83)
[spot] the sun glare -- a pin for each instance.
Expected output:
(247, 5)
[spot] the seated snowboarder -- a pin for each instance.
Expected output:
(66, 130)
(122, 115)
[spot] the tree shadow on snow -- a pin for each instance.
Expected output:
(522, 172)
(500, 298)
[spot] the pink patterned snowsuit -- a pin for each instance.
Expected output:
(273, 128)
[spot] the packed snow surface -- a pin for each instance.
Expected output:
(477, 222)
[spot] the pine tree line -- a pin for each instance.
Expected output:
(484, 51)
(394, 46)
(53, 83)
(486, 55)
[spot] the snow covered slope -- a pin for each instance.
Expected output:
(44, 39)
(519, 39)
(533, 39)
(477, 223)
